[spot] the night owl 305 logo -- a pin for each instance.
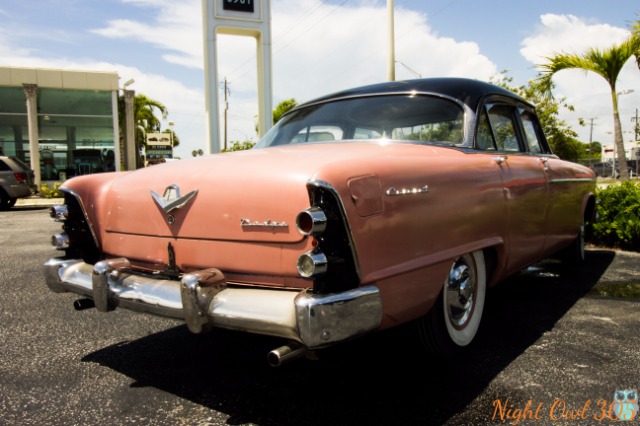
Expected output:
(625, 406)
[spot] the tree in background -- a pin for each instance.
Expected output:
(607, 63)
(145, 119)
(282, 108)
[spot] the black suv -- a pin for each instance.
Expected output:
(16, 181)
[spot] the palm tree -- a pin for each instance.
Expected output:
(145, 119)
(607, 63)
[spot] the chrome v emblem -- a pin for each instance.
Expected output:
(171, 198)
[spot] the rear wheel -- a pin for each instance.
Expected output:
(574, 253)
(453, 322)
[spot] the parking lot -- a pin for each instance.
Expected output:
(557, 340)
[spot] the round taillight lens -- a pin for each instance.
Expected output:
(311, 221)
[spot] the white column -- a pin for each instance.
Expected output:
(130, 135)
(31, 92)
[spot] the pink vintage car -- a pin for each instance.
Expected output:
(378, 206)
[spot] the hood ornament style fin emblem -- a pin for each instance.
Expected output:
(171, 198)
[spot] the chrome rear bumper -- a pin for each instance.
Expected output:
(204, 300)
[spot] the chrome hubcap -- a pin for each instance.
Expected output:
(460, 293)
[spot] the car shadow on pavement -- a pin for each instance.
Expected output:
(378, 379)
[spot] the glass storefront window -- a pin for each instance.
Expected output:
(75, 130)
(13, 118)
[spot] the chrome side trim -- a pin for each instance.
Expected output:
(343, 212)
(569, 180)
(204, 300)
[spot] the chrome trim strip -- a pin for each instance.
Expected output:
(572, 180)
(322, 184)
(203, 300)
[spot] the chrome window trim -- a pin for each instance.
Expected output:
(468, 114)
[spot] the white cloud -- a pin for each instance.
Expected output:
(569, 34)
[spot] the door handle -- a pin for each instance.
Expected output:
(544, 161)
(500, 159)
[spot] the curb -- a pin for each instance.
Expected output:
(38, 201)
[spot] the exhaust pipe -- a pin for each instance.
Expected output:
(286, 353)
(82, 304)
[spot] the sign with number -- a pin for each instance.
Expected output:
(238, 5)
(237, 10)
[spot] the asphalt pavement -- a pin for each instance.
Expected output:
(555, 345)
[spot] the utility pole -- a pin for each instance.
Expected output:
(226, 108)
(391, 64)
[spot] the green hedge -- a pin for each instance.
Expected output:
(618, 222)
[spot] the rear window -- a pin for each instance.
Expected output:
(20, 163)
(417, 118)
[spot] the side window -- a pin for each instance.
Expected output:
(484, 138)
(530, 126)
(4, 167)
(504, 130)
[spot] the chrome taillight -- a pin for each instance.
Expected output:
(312, 264)
(311, 221)
(60, 241)
(59, 213)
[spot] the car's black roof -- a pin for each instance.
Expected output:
(467, 90)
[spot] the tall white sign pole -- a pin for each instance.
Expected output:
(243, 18)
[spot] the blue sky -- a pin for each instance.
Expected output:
(320, 47)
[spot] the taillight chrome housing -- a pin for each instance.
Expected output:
(312, 264)
(59, 213)
(311, 221)
(60, 241)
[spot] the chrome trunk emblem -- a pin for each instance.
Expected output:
(171, 198)
(268, 223)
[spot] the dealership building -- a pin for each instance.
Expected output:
(64, 121)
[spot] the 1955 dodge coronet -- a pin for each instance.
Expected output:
(363, 210)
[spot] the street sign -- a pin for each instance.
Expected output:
(238, 5)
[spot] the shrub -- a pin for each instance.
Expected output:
(47, 192)
(239, 146)
(618, 223)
